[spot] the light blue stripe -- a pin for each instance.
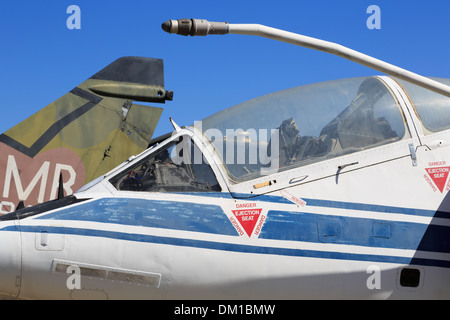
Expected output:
(149, 213)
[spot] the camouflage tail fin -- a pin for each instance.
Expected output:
(83, 134)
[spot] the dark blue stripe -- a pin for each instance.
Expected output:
(371, 207)
(201, 244)
(331, 204)
(299, 226)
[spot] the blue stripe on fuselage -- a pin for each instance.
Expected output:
(334, 204)
(241, 248)
(309, 227)
(279, 225)
(150, 213)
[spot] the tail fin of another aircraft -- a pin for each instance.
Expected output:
(83, 134)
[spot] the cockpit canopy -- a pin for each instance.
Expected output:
(302, 125)
(288, 129)
(311, 123)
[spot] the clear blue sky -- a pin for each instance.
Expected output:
(41, 59)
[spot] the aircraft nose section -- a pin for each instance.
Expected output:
(10, 259)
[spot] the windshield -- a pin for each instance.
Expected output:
(302, 125)
(432, 108)
(177, 167)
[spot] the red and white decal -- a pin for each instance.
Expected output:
(247, 218)
(299, 202)
(437, 175)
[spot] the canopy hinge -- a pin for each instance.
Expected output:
(412, 151)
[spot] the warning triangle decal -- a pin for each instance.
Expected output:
(439, 176)
(247, 218)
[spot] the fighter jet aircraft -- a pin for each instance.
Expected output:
(82, 135)
(330, 190)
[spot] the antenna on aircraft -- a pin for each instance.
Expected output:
(175, 126)
(201, 27)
